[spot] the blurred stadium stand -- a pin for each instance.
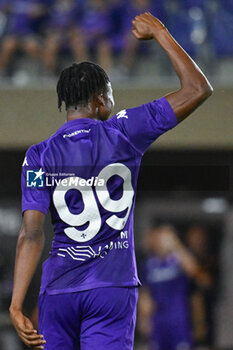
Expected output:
(221, 30)
(186, 177)
(39, 37)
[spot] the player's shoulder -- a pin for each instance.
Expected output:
(112, 122)
(37, 147)
(31, 156)
(42, 145)
(123, 115)
(34, 151)
(127, 113)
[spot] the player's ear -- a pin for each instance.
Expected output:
(100, 99)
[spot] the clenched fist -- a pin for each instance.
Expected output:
(146, 26)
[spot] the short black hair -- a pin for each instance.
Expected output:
(79, 82)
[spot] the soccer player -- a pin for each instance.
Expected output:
(21, 30)
(63, 32)
(86, 174)
(164, 307)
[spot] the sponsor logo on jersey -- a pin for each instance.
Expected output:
(83, 253)
(122, 114)
(25, 162)
(77, 132)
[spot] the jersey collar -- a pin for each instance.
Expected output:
(73, 122)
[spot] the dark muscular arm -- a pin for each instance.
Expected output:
(29, 247)
(195, 87)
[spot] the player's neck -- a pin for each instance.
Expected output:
(80, 112)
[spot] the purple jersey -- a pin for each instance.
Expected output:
(96, 24)
(169, 288)
(64, 14)
(22, 19)
(86, 174)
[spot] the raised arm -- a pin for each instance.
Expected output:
(195, 87)
(29, 247)
(172, 244)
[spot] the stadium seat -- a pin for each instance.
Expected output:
(187, 4)
(181, 27)
(221, 34)
(227, 5)
(184, 5)
(159, 9)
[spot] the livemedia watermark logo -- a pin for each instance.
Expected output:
(35, 178)
(40, 179)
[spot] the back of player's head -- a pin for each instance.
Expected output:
(79, 82)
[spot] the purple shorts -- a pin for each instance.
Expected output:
(171, 334)
(101, 318)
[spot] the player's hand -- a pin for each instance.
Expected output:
(26, 331)
(146, 26)
(169, 241)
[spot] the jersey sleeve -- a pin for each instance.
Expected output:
(35, 194)
(144, 124)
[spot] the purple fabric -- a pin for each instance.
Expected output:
(96, 23)
(169, 288)
(103, 318)
(93, 242)
(21, 22)
(64, 15)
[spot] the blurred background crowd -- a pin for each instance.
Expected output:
(184, 209)
(53, 32)
(180, 288)
(179, 269)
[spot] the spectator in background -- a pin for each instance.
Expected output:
(203, 299)
(4, 12)
(118, 26)
(63, 31)
(131, 46)
(96, 27)
(164, 315)
(21, 31)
